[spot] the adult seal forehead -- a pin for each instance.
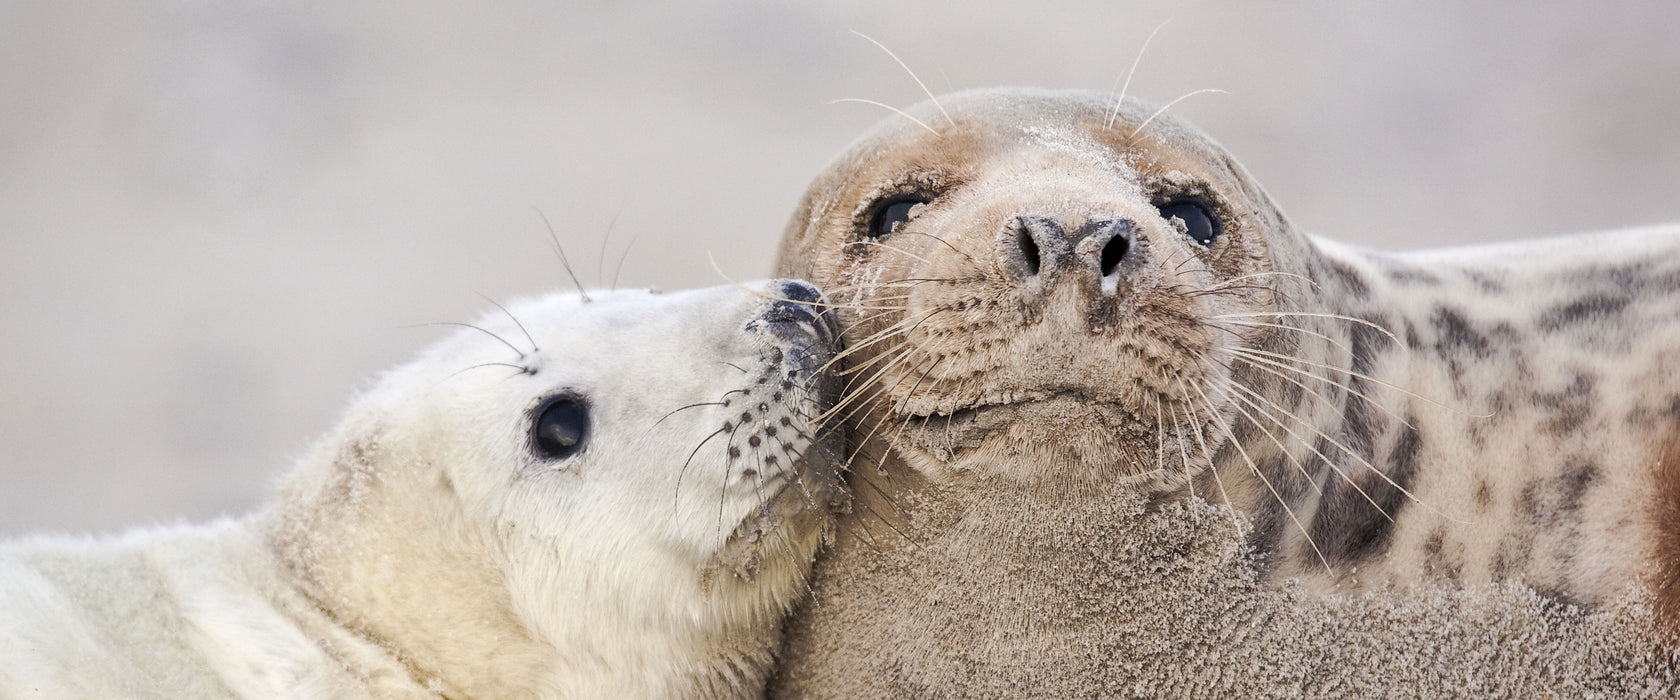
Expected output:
(1046, 297)
(612, 495)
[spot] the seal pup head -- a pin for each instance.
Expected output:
(584, 496)
(1040, 286)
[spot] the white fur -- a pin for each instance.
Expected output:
(423, 550)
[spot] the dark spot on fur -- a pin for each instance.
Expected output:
(1360, 419)
(1488, 282)
(1347, 527)
(1593, 308)
(1439, 562)
(1350, 278)
(1456, 335)
(1511, 557)
(1410, 274)
(1484, 495)
(1570, 406)
(1437, 541)
(1543, 503)
(1368, 345)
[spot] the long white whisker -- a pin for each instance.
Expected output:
(1327, 461)
(884, 105)
(1256, 470)
(1195, 432)
(1366, 377)
(1115, 111)
(1257, 361)
(1308, 331)
(1362, 461)
(1168, 106)
(1339, 317)
(913, 76)
(1286, 453)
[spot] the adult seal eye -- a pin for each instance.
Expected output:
(892, 212)
(560, 428)
(1199, 224)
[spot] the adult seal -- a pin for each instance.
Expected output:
(1052, 301)
(612, 495)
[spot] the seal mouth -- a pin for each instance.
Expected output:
(944, 432)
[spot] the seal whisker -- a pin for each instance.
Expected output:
(897, 360)
(1362, 461)
(1183, 450)
(1263, 363)
(1234, 442)
(946, 243)
(913, 76)
(1327, 461)
(684, 408)
(1115, 112)
(480, 329)
(1270, 436)
(1169, 105)
(625, 255)
(895, 249)
(1207, 454)
(515, 320)
(1308, 331)
(601, 255)
(884, 105)
(1257, 275)
(1374, 326)
(676, 492)
(1351, 373)
(560, 251)
(901, 327)
(522, 369)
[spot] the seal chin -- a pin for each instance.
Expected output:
(1058, 437)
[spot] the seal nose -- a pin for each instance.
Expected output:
(1032, 248)
(798, 290)
(797, 309)
(1036, 250)
(1103, 246)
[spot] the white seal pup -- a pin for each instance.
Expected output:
(612, 496)
(1046, 294)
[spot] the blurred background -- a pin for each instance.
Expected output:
(218, 219)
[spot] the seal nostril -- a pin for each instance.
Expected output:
(1029, 249)
(1112, 253)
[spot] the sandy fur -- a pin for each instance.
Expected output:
(1422, 451)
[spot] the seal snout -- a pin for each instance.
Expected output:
(1035, 251)
(795, 321)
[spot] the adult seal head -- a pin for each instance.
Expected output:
(1051, 301)
(606, 496)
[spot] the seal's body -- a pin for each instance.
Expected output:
(603, 497)
(1049, 295)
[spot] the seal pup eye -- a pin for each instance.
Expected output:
(1199, 224)
(560, 428)
(892, 212)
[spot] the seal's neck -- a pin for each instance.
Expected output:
(1319, 444)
